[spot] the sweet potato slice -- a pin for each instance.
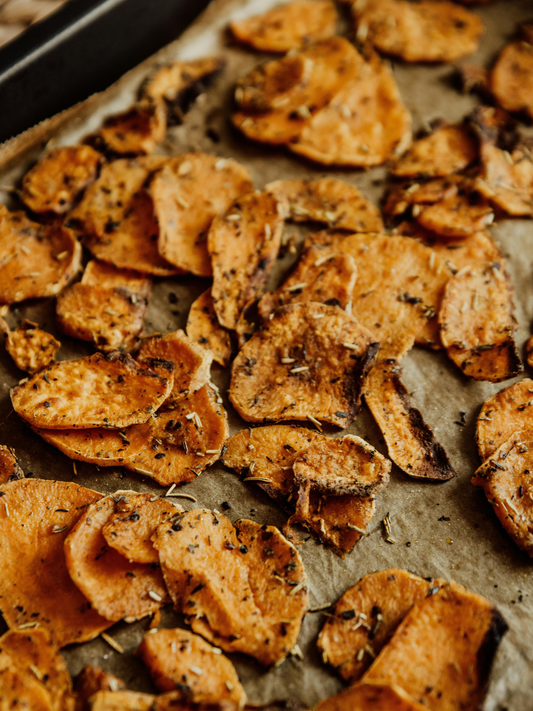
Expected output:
(457, 216)
(172, 81)
(410, 442)
(91, 680)
(35, 261)
(366, 617)
(59, 177)
(300, 367)
(103, 274)
(511, 80)
(241, 586)
(449, 149)
(503, 414)
(401, 197)
(243, 246)
(204, 328)
(506, 179)
(96, 391)
(36, 589)
(289, 26)
(427, 31)
(130, 528)
(371, 696)
(174, 657)
(192, 362)
(450, 640)
(187, 194)
(116, 588)
(21, 690)
(122, 701)
(136, 131)
(363, 124)
(10, 469)
(326, 279)
(101, 446)
(477, 323)
(31, 348)
(329, 200)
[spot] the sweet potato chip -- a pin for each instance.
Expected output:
(506, 179)
(288, 26)
(243, 246)
(511, 80)
(100, 446)
(19, 690)
(187, 194)
(426, 31)
(410, 442)
(96, 391)
(107, 276)
(273, 84)
(192, 362)
(116, 588)
(449, 149)
(363, 124)
(129, 530)
(92, 679)
(122, 701)
(401, 197)
(300, 366)
(329, 200)
(477, 323)
(177, 660)
(9, 467)
(241, 586)
(366, 616)
(326, 279)
(457, 216)
(36, 589)
(136, 131)
(204, 328)
(59, 177)
(36, 261)
(371, 696)
(174, 81)
(442, 652)
(529, 351)
(31, 348)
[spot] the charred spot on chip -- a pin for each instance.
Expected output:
(136, 131)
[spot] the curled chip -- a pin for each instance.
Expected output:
(449, 149)
(137, 130)
(187, 194)
(363, 125)
(192, 362)
(117, 217)
(9, 467)
(506, 179)
(326, 279)
(426, 31)
(59, 177)
(182, 661)
(442, 652)
(130, 528)
(36, 589)
(477, 323)
(31, 348)
(508, 484)
(406, 195)
(366, 616)
(96, 391)
(173, 82)
(457, 216)
(329, 200)
(410, 442)
(242, 586)
(300, 367)
(243, 246)
(511, 80)
(289, 26)
(92, 679)
(371, 696)
(115, 587)
(204, 328)
(36, 261)
(502, 415)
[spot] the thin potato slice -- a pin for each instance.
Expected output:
(19, 690)
(477, 323)
(59, 177)
(172, 81)
(107, 276)
(426, 31)
(136, 131)
(101, 446)
(449, 149)
(243, 246)
(401, 197)
(35, 261)
(9, 467)
(366, 617)
(508, 484)
(273, 84)
(35, 518)
(371, 696)
(31, 348)
(457, 216)
(300, 366)
(410, 442)
(204, 328)
(187, 194)
(92, 679)
(326, 279)
(511, 81)
(222, 577)
(116, 588)
(289, 26)
(363, 125)
(329, 200)
(96, 391)
(173, 658)
(122, 701)
(442, 652)
(506, 179)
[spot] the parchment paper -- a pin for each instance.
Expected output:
(471, 547)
